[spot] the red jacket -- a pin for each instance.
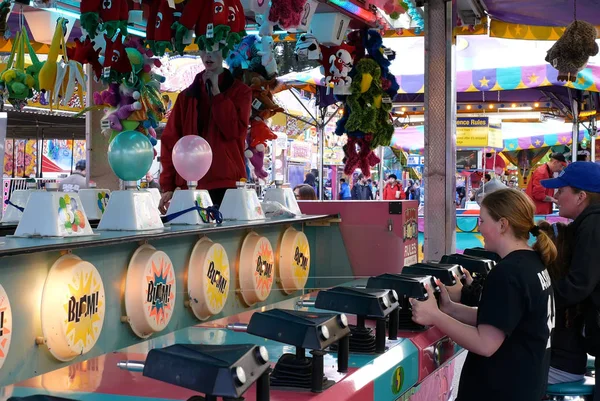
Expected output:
(389, 192)
(223, 122)
(537, 192)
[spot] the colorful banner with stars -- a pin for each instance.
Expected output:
(506, 30)
(493, 79)
(411, 140)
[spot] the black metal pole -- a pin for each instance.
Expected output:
(316, 379)
(300, 353)
(394, 324)
(360, 322)
(380, 336)
(263, 387)
(343, 353)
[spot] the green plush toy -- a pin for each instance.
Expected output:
(369, 112)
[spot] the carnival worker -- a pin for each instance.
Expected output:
(217, 107)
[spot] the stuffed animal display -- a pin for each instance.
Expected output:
(108, 16)
(570, 54)
(218, 24)
(132, 100)
(366, 115)
(253, 61)
(337, 62)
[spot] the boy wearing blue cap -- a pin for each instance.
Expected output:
(578, 198)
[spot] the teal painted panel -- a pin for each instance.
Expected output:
(26, 391)
(23, 278)
(330, 265)
(399, 371)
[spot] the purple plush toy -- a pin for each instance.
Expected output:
(256, 155)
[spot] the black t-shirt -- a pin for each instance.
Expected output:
(517, 298)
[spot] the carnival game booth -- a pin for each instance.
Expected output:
(220, 299)
(202, 301)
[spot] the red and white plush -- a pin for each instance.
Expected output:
(337, 63)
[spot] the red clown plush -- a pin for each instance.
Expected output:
(337, 63)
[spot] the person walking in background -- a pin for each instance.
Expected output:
(393, 189)
(75, 181)
(360, 190)
(311, 180)
(305, 192)
(543, 198)
(344, 190)
(151, 182)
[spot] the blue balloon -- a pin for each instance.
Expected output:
(130, 155)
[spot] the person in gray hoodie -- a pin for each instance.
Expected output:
(75, 181)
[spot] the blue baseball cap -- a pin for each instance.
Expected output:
(581, 175)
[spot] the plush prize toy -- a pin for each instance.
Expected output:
(161, 18)
(90, 16)
(571, 52)
(258, 135)
(384, 57)
(85, 53)
(286, 13)
(114, 15)
(267, 55)
(358, 153)
(219, 25)
(308, 46)
(5, 8)
(337, 63)
(243, 54)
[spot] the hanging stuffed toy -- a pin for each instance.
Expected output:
(267, 55)
(258, 135)
(161, 18)
(358, 153)
(384, 57)
(286, 13)
(85, 53)
(570, 54)
(337, 63)
(116, 63)
(114, 15)
(307, 46)
(242, 54)
(219, 25)
(15, 83)
(369, 112)
(90, 16)
(5, 8)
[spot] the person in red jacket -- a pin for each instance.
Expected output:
(542, 197)
(217, 107)
(393, 190)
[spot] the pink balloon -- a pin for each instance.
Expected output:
(192, 157)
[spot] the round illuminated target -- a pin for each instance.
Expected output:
(73, 307)
(5, 325)
(150, 291)
(294, 260)
(256, 268)
(208, 279)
